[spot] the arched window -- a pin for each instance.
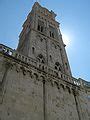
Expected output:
(41, 58)
(52, 31)
(40, 26)
(58, 66)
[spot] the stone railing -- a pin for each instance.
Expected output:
(6, 50)
(25, 59)
(13, 53)
(84, 83)
(76, 81)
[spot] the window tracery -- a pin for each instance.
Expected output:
(41, 58)
(58, 66)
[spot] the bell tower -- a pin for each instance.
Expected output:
(41, 39)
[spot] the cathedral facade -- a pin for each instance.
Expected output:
(35, 80)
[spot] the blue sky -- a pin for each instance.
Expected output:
(74, 18)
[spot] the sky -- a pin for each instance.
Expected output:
(74, 19)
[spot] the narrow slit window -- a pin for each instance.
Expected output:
(39, 27)
(50, 58)
(50, 34)
(53, 35)
(33, 50)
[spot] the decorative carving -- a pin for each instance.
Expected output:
(56, 74)
(31, 74)
(49, 79)
(62, 86)
(68, 89)
(17, 68)
(58, 66)
(75, 91)
(42, 78)
(57, 84)
(36, 76)
(41, 58)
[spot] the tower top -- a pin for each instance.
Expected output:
(44, 10)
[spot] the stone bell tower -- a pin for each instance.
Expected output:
(35, 80)
(41, 39)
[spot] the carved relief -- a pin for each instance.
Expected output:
(36, 77)
(30, 73)
(23, 70)
(57, 84)
(58, 66)
(49, 79)
(62, 86)
(42, 78)
(69, 90)
(41, 58)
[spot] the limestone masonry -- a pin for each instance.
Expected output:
(35, 80)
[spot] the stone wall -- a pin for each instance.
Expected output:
(22, 97)
(28, 93)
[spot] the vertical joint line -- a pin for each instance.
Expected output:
(77, 107)
(44, 101)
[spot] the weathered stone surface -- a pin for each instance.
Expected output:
(35, 80)
(27, 96)
(23, 99)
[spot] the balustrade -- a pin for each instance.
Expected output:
(8, 51)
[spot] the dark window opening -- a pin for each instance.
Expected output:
(57, 63)
(52, 31)
(61, 76)
(42, 61)
(50, 58)
(66, 65)
(39, 27)
(53, 35)
(42, 67)
(33, 50)
(41, 58)
(56, 67)
(50, 34)
(59, 69)
(41, 39)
